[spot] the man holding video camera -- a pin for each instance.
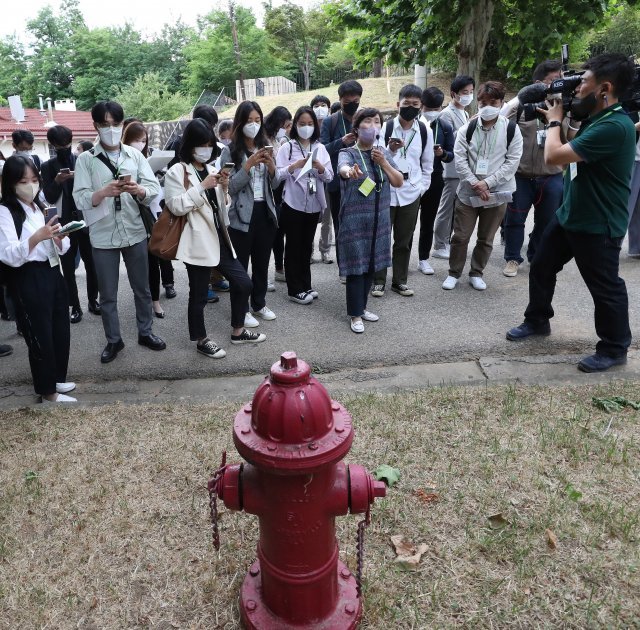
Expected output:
(592, 220)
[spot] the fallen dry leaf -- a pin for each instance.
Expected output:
(407, 555)
(497, 521)
(552, 539)
(427, 497)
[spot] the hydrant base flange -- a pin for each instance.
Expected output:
(256, 616)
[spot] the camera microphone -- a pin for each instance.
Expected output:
(532, 93)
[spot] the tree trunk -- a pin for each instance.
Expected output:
(236, 49)
(307, 72)
(377, 68)
(473, 40)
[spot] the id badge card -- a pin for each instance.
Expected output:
(573, 170)
(482, 166)
(312, 185)
(54, 257)
(367, 186)
(541, 136)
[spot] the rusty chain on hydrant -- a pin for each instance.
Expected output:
(212, 486)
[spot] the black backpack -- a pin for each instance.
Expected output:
(511, 130)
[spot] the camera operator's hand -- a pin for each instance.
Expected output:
(554, 113)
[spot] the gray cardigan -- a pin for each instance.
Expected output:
(241, 193)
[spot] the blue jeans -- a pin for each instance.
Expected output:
(545, 195)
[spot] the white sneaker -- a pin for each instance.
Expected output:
(265, 313)
(302, 298)
(425, 267)
(280, 277)
(357, 326)
(441, 253)
(313, 293)
(63, 388)
(449, 283)
(271, 287)
(60, 399)
(370, 317)
(477, 283)
(511, 268)
(250, 321)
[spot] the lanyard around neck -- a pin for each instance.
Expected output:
(366, 170)
(484, 141)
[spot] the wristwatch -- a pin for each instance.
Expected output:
(554, 123)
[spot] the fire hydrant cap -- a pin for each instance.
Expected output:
(292, 424)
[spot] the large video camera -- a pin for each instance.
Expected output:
(533, 97)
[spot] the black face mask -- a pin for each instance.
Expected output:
(350, 108)
(64, 156)
(581, 108)
(409, 112)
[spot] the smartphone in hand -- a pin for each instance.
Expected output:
(49, 212)
(124, 178)
(64, 171)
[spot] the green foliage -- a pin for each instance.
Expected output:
(620, 34)
(211, 61)
(150, 99)
(13, 67)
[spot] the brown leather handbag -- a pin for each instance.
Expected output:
(167, 230)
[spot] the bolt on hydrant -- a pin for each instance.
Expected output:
(293, 437)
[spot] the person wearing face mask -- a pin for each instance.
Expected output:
(57, 176)
(109, 184)
(487, 153)
(455, 115)
(253, 214)
(22, 141)
(443, 139)
(195, 189)
(30, 249)
(135, 136)
(335, 135)
(321, 106)
(591, 223)
(411, 145)
(364, 236)
(537, 184)
(303, 200)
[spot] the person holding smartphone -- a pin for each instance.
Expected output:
(252, 214)
(30, 251)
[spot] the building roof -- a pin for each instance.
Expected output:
(80, 123)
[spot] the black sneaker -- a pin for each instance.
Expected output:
(210, 349)
(170, 292)
(302, 298)
(248, 336)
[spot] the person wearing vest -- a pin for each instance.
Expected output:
(537, 184)
(109, 183)
(591, 223)
(57, 176)
(456, 115)
(487, 153)
(443, 139)
(30, 250)
(410, 142)
(336, 134)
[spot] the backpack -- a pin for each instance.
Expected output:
(388, 130)
(471, 129)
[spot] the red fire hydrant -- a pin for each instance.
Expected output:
(293, 437)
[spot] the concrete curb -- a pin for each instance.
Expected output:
(532, 370)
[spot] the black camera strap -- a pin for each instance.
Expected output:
(105, 160)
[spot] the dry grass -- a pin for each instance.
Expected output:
(377, 93)
(104, 524)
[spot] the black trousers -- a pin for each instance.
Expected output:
(255, 245)
(79, 241)
(597, 257)
(300, 230)
(334, 201)
(39, 293)
(358, 288)
(159, 267)
(239, 291)
(278, 246)
(428, 211)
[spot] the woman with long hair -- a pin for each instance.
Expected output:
(30, 249)
(194, 189)
(252, 214)
(303, 200)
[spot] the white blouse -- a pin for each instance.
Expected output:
(15, 252)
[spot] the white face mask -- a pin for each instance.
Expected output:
(138, 145)
(431, 115)
(282, 132)
(466, 99)
(305, 131)
(488, 112)
(110, 136)
(202, 154)
(251, 130)
(321, 111)
(27, 192)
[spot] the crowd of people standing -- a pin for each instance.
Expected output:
(259, 185)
